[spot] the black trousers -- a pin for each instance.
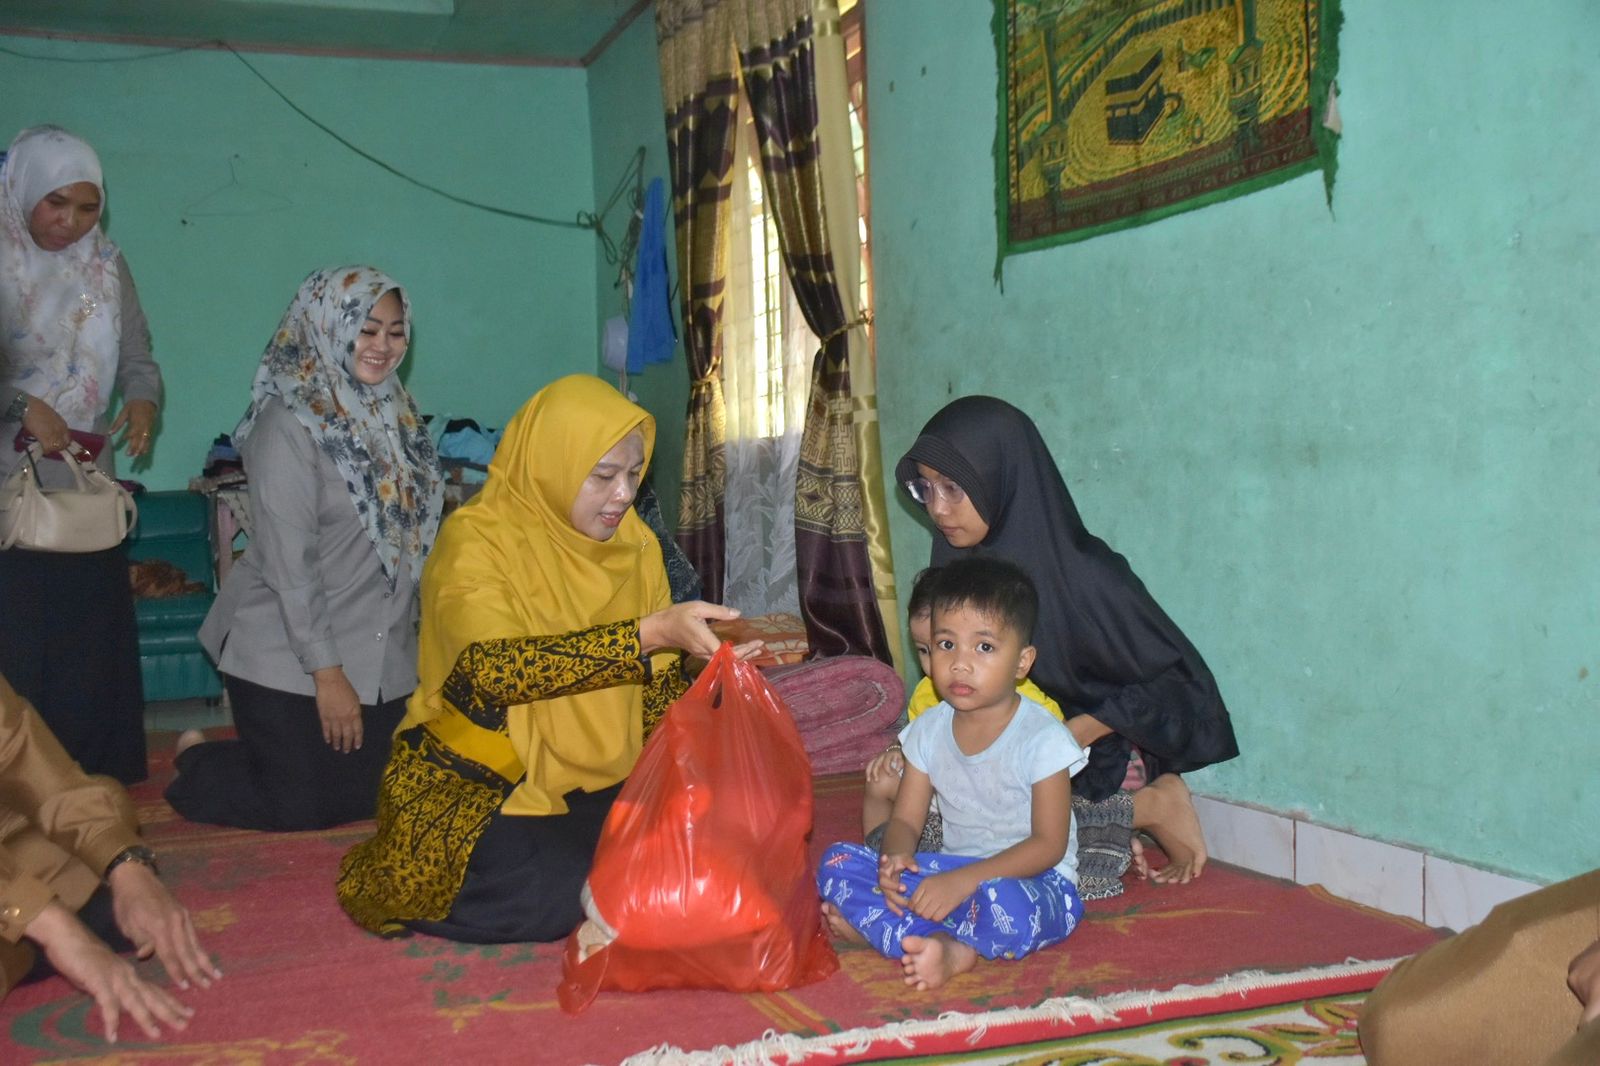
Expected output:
(525, 874)
(69, 644)
(280, 774)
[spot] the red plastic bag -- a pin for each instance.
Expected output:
(702, 868)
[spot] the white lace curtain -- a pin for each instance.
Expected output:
(766, 376)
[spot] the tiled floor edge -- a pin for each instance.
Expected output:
(1448, 893)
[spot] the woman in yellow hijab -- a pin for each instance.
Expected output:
(549, 649)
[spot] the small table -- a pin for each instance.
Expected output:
(230, 516)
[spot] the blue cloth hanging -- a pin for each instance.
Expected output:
(651, 334)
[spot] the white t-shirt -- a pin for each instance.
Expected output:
(987, 798)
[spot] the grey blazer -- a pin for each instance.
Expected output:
(309, 591)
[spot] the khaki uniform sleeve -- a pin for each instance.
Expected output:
(43, 790)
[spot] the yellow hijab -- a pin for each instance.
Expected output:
(509, 563)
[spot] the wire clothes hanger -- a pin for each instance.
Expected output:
(235, 198)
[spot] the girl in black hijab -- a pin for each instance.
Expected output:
(1122, 671)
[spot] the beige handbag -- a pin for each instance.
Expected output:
(93, 515)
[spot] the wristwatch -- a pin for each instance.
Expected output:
(137, 853)
(18, 407)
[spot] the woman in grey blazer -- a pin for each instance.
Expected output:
(315, 629)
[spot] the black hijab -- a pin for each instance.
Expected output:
(1106, 647)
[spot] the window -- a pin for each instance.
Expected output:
(852, 25)
(765, 346)
(766, 367)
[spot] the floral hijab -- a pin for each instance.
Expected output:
(373, 433)
(60, 312)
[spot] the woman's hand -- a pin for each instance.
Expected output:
(46, 426)
(686, 626)
(339, 708)
(140, 418)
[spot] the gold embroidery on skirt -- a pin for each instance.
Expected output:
(429, 820)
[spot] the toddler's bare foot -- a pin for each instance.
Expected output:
(1165, 809)
(930, 961)
(1141, 865)
(841, 929)
(186, 740)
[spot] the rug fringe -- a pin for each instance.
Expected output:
(779, 1049)
(1244, 982)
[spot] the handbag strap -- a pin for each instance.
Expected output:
(79, 474)
(18, 486)
(30, 455)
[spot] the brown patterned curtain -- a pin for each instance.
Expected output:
(705, 46)
(700, 83)
(838, 598)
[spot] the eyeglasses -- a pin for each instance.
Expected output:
(923, 491)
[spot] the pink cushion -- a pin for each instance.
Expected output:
(845, 708)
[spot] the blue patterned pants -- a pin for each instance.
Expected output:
(1006, 918)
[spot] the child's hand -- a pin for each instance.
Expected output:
(940, 894)
(887, 763)
(890, 867)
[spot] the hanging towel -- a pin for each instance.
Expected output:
(651, 335)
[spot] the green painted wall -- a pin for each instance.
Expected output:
(1354, 454)
(625, 102)
(501, 306)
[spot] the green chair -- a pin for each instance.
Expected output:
(176, 527)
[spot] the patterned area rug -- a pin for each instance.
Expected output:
(305, 985)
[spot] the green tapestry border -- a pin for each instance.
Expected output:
(1323, 81)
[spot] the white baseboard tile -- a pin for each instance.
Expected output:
(1456, 895)
(1367, 871)
(1390, 877)
(1246, 836)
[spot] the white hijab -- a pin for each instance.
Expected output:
(60, 312)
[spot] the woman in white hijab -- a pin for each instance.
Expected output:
(72, 337)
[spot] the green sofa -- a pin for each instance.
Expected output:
(175, 526)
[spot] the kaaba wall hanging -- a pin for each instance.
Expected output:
(1114, 113)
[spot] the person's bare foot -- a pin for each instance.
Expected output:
(930, 961)
(841, 929)
(1165, 809)
(186, 740)
(1140, 864)
(591, 938)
